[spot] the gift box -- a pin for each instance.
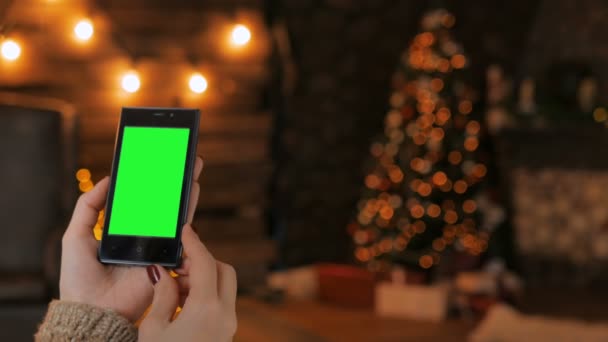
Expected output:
(300, 283)
(416, 302)
(348, 286)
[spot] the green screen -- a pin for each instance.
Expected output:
(149, 181)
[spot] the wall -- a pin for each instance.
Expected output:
(570, 30)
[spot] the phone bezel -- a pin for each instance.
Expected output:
(142, 250)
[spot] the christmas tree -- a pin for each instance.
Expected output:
(421, 195)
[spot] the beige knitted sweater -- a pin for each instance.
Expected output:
(68, 321)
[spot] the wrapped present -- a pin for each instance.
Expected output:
(416, 302)
(296, 283)
(348, 286)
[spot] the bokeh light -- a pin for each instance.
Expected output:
(84, 30)
(198, 83)
(10, 50)
(240, 35)
(130, 82)
(83, 175)
(426, 261)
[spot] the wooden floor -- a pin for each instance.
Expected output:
(286, 322)
(309, 321)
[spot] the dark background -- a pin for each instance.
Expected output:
(346, 53)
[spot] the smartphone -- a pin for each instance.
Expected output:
(147, 202)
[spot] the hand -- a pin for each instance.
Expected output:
(208, 312)
(84, 279)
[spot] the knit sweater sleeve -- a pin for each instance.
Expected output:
(68, 321)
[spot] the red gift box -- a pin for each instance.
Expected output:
(348, 286)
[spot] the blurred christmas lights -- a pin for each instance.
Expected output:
(198, 83)
(10, 50)
(84, 30)
(85, 184)
(130, 82)
(428, 184)
(240, 35)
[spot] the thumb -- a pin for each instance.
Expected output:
(166, 297)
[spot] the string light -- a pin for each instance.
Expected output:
(198, 83)
(438, 166)
(417, 211)
(438, 245)
(433, 211)
(84, 30)
(465, 107)
(130, 82)
(426, 261)
(469, 206)
(84, 180)
(450, 217)
(458, 61)
(83, 175)
(10, 50)
(600, 114)
(240, 35)
(455, 157)
(85, 185)
(460, 187)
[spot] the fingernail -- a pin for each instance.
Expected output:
(153, 274)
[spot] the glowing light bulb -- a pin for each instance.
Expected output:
(84, 30)
(198, 83)
(10, 50)
(83, 175)
(130, 82)
(240, 35)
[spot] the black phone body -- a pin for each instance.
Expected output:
(147, 203)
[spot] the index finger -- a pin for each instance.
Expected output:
(202, 270)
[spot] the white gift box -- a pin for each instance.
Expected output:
(416, 302)
(298, 283)
(477, 283)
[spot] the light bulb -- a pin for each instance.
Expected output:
(130, 82)
(10, 50)
(198, 83)
(84, 30)
(240, 35)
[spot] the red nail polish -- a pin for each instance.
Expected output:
(153, 274)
